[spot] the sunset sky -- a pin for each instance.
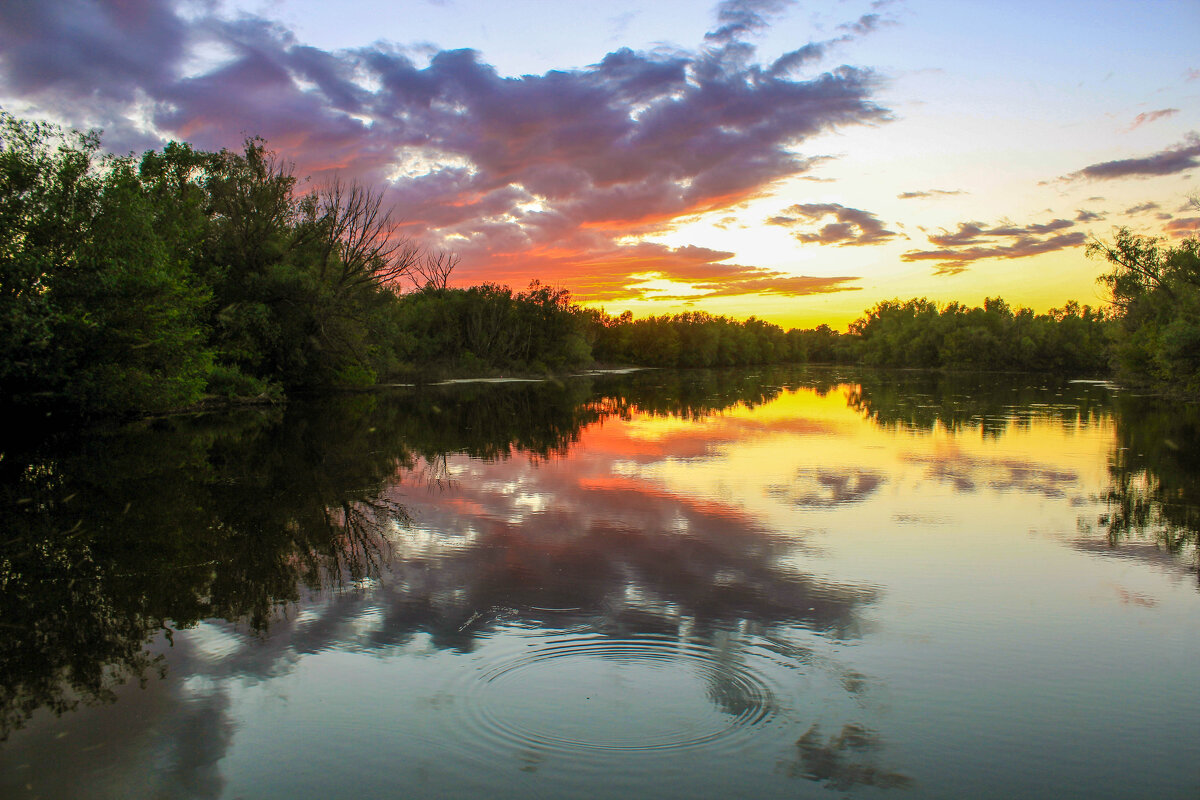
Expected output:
(798, 161)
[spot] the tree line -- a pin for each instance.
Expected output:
(138, 284)
(919, 333)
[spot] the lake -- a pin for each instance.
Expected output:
(780, 582)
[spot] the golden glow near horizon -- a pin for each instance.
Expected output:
(1041, 282)
(1049, 281)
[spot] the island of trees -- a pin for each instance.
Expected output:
(133, 285)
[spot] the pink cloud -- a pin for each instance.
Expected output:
(1151, 116)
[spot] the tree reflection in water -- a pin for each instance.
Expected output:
(844, 760)
(113, 537)
(1155, 472)
(1153, 498)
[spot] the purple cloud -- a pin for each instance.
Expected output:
(794, 59)
(853, 226)
(737, 18)
(867, 23)
(84, 47)
(549, 168)
(975, 232)
(973, 241)
(1181, 157)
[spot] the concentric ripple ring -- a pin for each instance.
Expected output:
(603, 694)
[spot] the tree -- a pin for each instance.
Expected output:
(304, 285)
(361, 243)
(129, 317)
(1155, 290)
(48, 194)
(433, 270)
(98, 308)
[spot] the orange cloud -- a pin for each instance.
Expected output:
(1183, 227)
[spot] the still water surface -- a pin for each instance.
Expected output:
(780, 583)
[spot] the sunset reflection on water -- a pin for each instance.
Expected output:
(678, 585)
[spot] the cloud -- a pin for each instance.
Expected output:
(769, 282)
(737, 18)
(1142, 208)
(853, 226)
(558, 169)
(1183, 227)
(815, 51)
(1181, 157)
(601, 271)
(867, 23)
(973, 241)
(1151, 116)
(928, 193)
(620, 23)
(83, 47)
(974, 232)
(1088, 216)
(794, 59)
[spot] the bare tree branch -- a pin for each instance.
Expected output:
(363, 237)
(432, 271)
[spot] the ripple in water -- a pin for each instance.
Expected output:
(599, 694)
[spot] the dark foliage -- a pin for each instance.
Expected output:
(1156, 293)
(697, 339)
(917, 333)
(490, 327)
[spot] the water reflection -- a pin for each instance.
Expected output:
(112, 538)
(1153, 500)
(583, 553)
(968, 473)
(844, 760)
(987, 403)
(821, 488)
